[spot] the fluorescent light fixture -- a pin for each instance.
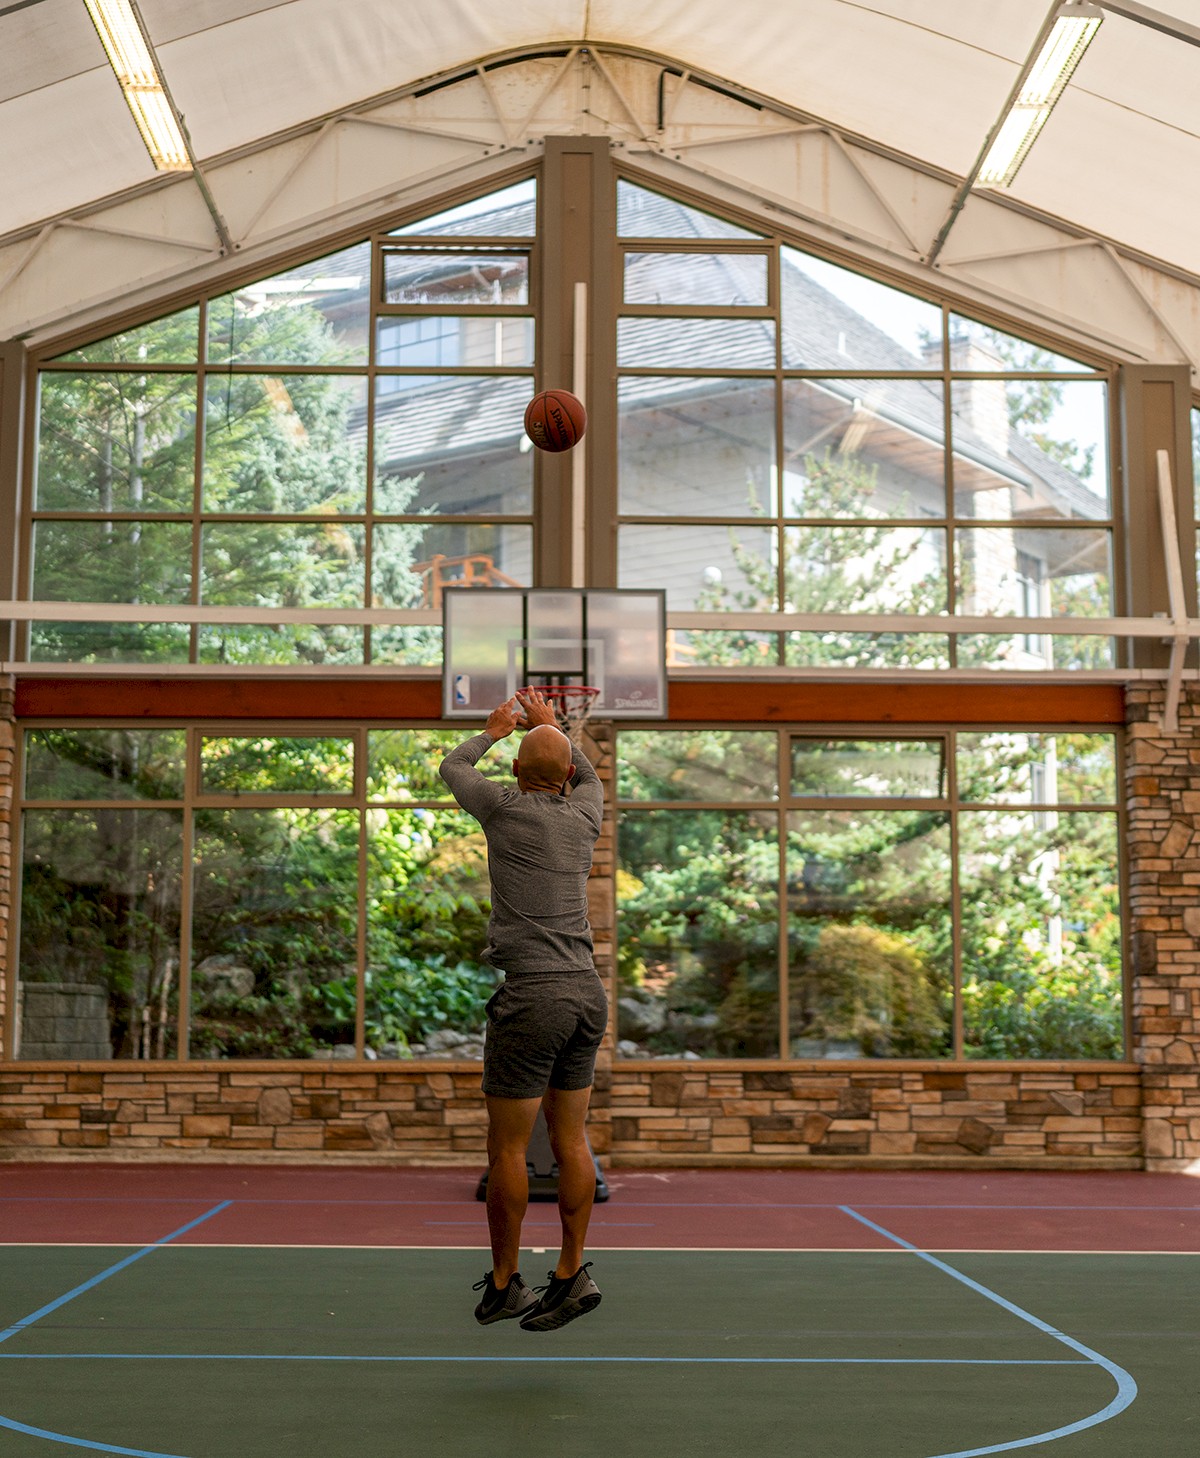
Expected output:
(1072, 31)
(129, 55)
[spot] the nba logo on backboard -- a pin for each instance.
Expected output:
(462, 690)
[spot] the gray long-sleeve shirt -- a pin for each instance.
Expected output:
(539, 857)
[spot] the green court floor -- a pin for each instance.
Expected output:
(241, 1352)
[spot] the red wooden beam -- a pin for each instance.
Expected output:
(355, 699)
(691, 700)
(856, 702)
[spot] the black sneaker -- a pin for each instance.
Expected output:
(562, 1301)
(514, 1300)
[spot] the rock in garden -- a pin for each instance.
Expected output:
(640, 1020)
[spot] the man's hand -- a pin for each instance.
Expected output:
(537, 710)
(502, 721)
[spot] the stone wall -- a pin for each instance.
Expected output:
(924, 1114)
(222, 1110)
(597, 743)
(63, 1020)
(7, 773)
(656, 1114)
(1163, 797)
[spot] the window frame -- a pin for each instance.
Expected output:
(950, 803)
(379, 238)
(1093, 367)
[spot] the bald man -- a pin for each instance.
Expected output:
(546, 1020)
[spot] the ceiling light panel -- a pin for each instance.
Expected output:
(1061, 52)
(132, 61)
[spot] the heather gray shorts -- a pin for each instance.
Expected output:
(544, 1030)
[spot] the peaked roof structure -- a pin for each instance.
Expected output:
(896, 97)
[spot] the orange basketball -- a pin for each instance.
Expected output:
(555, 420)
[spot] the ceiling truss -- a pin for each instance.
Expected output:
(395, 153)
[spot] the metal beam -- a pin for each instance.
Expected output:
(1179, 30)
(768, 622)
(48, 292)
(227, 244)
(963, 192)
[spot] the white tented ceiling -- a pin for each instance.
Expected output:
(921, 79)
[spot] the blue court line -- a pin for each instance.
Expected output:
(728, 1361)
(665, 1361)
(37, 1315)
(16, 1427)
(1126, 1387)
(72, 1442)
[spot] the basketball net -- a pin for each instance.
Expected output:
(572, 705)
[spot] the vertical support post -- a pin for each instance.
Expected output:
(187, 890)
(10, 874)
(361, 945)
(575, 248)
(579, 454)
(1175, 594)
(12, 420)
(1155, 405)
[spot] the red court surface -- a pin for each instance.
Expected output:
(677, 1209)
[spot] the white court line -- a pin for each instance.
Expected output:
(608, 1249)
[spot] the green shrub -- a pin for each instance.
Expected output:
(866, 985)
(252, 1027)
(408, 999)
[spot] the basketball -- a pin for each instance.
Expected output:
(555, 420)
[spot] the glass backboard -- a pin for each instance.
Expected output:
(497, 640)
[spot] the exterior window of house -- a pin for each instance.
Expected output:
(950, 894)
(427, 343)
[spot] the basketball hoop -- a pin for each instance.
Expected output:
(572, 705)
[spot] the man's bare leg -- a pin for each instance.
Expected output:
(510, 1123)
(566, 1122)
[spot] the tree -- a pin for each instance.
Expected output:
(869, 990)
(699, 927)
(863, 566)
(275, 893)
(1033, 404)
(282, 446)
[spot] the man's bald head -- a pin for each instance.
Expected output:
(545, 759)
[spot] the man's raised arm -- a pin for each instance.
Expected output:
(587, 793)
(478, 795)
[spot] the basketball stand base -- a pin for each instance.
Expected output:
(543, 1172)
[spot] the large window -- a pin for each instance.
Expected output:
(837, 896)
(784, 437)
(240, 894)
(797, 438)
(331, 880)
(791, 438)
(304, 441)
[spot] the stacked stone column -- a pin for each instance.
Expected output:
(1162, 786)
(597, 744)
(7, 772)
